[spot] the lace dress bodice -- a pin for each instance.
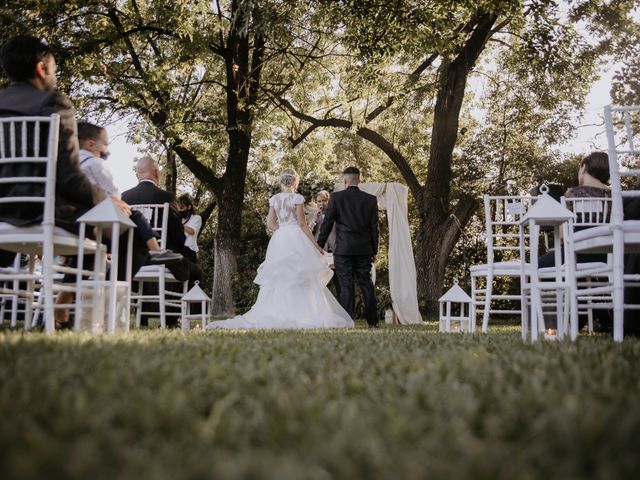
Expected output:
(285, 206)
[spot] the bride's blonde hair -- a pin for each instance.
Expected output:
(289, 178)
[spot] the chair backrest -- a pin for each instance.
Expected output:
(590, 211)
(158, 217)
(29, 140)
(623, 137)
(502, 219)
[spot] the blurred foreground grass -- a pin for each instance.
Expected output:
(394, 403)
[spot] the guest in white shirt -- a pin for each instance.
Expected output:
(192, 223)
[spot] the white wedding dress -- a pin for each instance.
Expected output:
(293, 280)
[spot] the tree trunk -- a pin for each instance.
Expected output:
(439, 231)
(431, 260)
(230, 220)
(225, 267)
(437, 237)
(243, 63)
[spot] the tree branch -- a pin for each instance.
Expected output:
(368, 134)
(208, 210)
(202, 173)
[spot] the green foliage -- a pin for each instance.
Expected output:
(159, 66)
(396, 403)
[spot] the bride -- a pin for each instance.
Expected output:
(294, 274)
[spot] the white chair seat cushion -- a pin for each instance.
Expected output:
(581, 267)
(499, 268)
(150, 273)
(600, 239)
(29, 240)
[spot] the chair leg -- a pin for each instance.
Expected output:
(472, 306)
(618, 286)
(138, 304)
(566, 311)
(15, 301)
(161, 300)
(487, 302)
(47, 292)
(560, 308)
(28, 308)
(524, 313)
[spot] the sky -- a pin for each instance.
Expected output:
(590, 136)
(122, 157)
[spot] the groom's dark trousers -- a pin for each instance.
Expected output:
(355, 215)
(359, 266)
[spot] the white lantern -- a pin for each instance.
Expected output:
(455, 311)
(102, 301)
(195, 296)
(553, 293)
(390, 317)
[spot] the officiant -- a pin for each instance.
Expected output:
(322, 200)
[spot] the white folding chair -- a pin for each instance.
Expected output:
(21, 142)
(502, 218)
(620, 236)
(158, 217)
(590, 281)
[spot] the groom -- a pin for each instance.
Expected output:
(355, 214)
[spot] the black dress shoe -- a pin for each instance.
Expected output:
(374, 325)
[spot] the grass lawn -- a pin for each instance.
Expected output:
(402, 402)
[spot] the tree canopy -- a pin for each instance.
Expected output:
(453, 98)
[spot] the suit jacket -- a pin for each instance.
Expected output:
(74, 192)
(355, 215)
(149, 193)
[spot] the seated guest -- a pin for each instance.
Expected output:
(94, 151)
(148, 192)
(192, 223)
(31, 68)
(593, 176)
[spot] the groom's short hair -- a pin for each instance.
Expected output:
(352, 175)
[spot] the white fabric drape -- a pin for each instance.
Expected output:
(392, 197)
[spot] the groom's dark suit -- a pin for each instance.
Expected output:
(355, 214)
